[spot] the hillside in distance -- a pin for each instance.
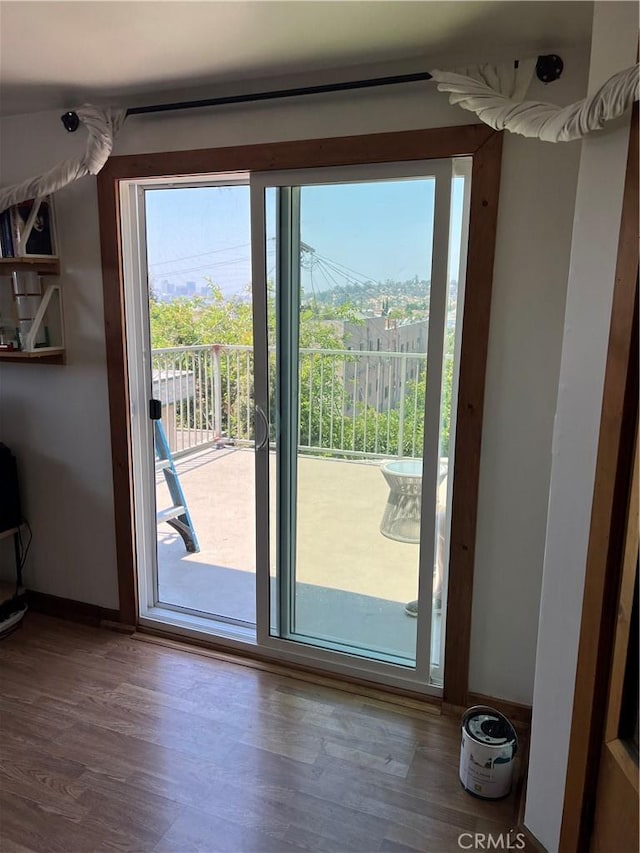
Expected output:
(364, 296)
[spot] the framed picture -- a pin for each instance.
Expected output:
(33, 229)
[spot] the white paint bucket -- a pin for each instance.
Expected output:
(489, 745)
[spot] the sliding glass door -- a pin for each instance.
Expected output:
(345, 402)
(354, 352)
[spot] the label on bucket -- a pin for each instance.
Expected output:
(486, 771)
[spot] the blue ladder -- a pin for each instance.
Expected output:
(177, 515)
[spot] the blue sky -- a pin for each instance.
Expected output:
(374, 231)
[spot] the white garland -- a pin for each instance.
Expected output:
(491, 95)
(102, 125)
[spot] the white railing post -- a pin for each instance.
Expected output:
(217, 394)
(403, 383)
(204, 407)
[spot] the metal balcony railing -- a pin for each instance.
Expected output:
(350, 403)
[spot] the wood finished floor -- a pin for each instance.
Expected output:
(109, 743)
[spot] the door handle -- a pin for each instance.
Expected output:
(260, 445)
(155, 410)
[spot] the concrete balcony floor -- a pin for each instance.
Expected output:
(352, 582)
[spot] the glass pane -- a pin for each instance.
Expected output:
(199, 249)
(363, 302)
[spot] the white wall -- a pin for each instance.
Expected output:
(575, 440)
(534, 233)
(55, 418)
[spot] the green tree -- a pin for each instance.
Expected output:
(201, 322)
(196, 320)
(320, 374)
(328, 415)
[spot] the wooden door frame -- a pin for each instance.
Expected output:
(608, 517)
(485, 147)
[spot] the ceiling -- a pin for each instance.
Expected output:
(59, 54)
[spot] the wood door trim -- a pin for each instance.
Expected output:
(485, 178)
(478, 141)
(625, 608)
(303, 154)
(118, 387)
(624, 760)
(615, 821)
(618, 418)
